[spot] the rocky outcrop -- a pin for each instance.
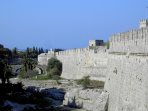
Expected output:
(89, 99)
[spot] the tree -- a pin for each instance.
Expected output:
(2, 71)
(14, 52)
(107, 44)
(39, 51)
(42, 51)
(36, 51)
(46, 51)
(1, 46)
(5, 72)
(27, 51)
(57, 50)
(8, 73)
(33, 50)
(5, 55)
(29, 63)
(54, 67)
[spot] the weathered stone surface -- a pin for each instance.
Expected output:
(126, 66)
(78, 63)
(127, 83)
(89, 99)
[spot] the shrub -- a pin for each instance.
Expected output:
(22, 73)
(107, 44)
(40, 77)
(54, 68)
(54, 72)
(30, 73)
(87, 83)
(5, 108)
(96, 84)
(38, 98)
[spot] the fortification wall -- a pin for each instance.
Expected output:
(126, 67)
(133, 41)
(78, 63)
(127, 83)
(43, 58)
(127, 71)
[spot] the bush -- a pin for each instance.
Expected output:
(87, 83)
(5, 108)
(30, 73)
(96, 84)
(38, 98)
(54, 68)
(107, 44)
(22, 73)
(40, 77)
(54, 72)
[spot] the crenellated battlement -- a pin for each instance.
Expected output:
(124, 69)
(72, 51)
(81, 51)
(80, 62)
(143, 23)
(133, 41)
(43, 58)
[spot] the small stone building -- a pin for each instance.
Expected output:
(143, 23)
(94, 43)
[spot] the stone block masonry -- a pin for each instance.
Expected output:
(127, 69)
(78, 63)
(126, 66)
(133, 41)
(127, 83)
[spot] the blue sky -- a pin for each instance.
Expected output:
(66, 23)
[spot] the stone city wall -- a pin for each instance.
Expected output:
(127, 83)
(78, 63)
(43, 58)
(127, 71)
(133, 41)
(126, 66)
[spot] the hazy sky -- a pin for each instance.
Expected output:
(66, 23)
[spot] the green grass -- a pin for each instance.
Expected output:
(87, 83)
(45, 77)
(40, 77)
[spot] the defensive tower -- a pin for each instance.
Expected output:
(143, 23)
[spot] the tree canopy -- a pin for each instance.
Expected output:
(54, 67)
